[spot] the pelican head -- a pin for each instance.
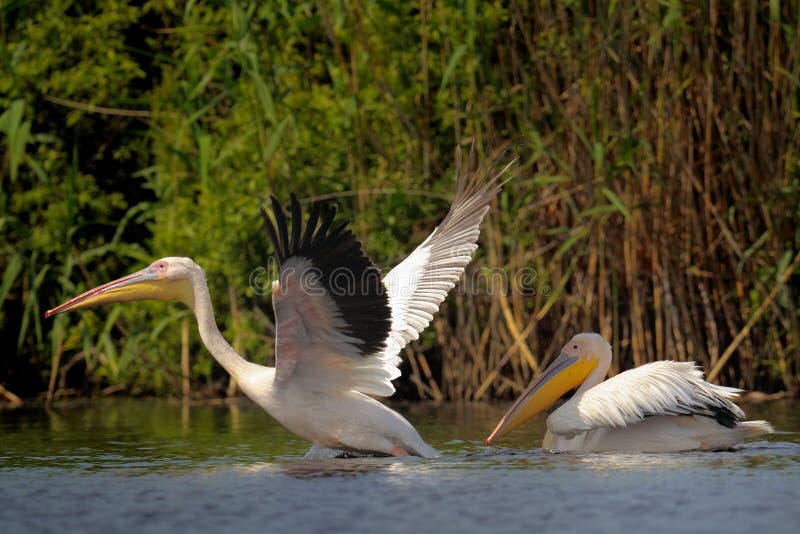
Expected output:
(574, 364)
(164, 279)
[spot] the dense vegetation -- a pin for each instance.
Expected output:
(656, 198)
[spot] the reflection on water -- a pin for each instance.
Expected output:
(158, 466)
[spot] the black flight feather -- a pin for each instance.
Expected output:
(273, 236)
(283, 232)
(296, 221)
(323, 229)
(723, 415)
(313, 219)
(350, 279)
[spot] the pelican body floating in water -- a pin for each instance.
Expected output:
(662, 406)
(339, 325)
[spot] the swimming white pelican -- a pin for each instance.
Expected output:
(662, 406)
(339, 327)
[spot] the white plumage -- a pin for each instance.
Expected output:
(657, 388)
(319, 331)
(339, 326)
(416, 287)
(663, 406)
(420, 283)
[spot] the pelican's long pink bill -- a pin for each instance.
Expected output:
(147, 284)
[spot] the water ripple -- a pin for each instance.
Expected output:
(153, 468)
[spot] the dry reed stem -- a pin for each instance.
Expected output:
(55, 363)
(14, 400)
(755, 317)
(91, 108)
(705, 191)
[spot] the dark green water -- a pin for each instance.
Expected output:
(150, 466)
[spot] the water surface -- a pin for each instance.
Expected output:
(155, 466)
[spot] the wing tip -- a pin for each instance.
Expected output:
(475, 176)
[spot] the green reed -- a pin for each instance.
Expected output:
(655, 199)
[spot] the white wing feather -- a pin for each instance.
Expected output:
(420, 283)
(657, 388)
(310, 343)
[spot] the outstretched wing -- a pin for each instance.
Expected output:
(339, 326)
(419, 284)
(657, 388)
(331, 308)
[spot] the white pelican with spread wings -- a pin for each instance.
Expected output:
(339, 325)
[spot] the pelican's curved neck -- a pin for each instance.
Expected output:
(217, 345)
(596, 376)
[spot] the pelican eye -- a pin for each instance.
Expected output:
(160, 266)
